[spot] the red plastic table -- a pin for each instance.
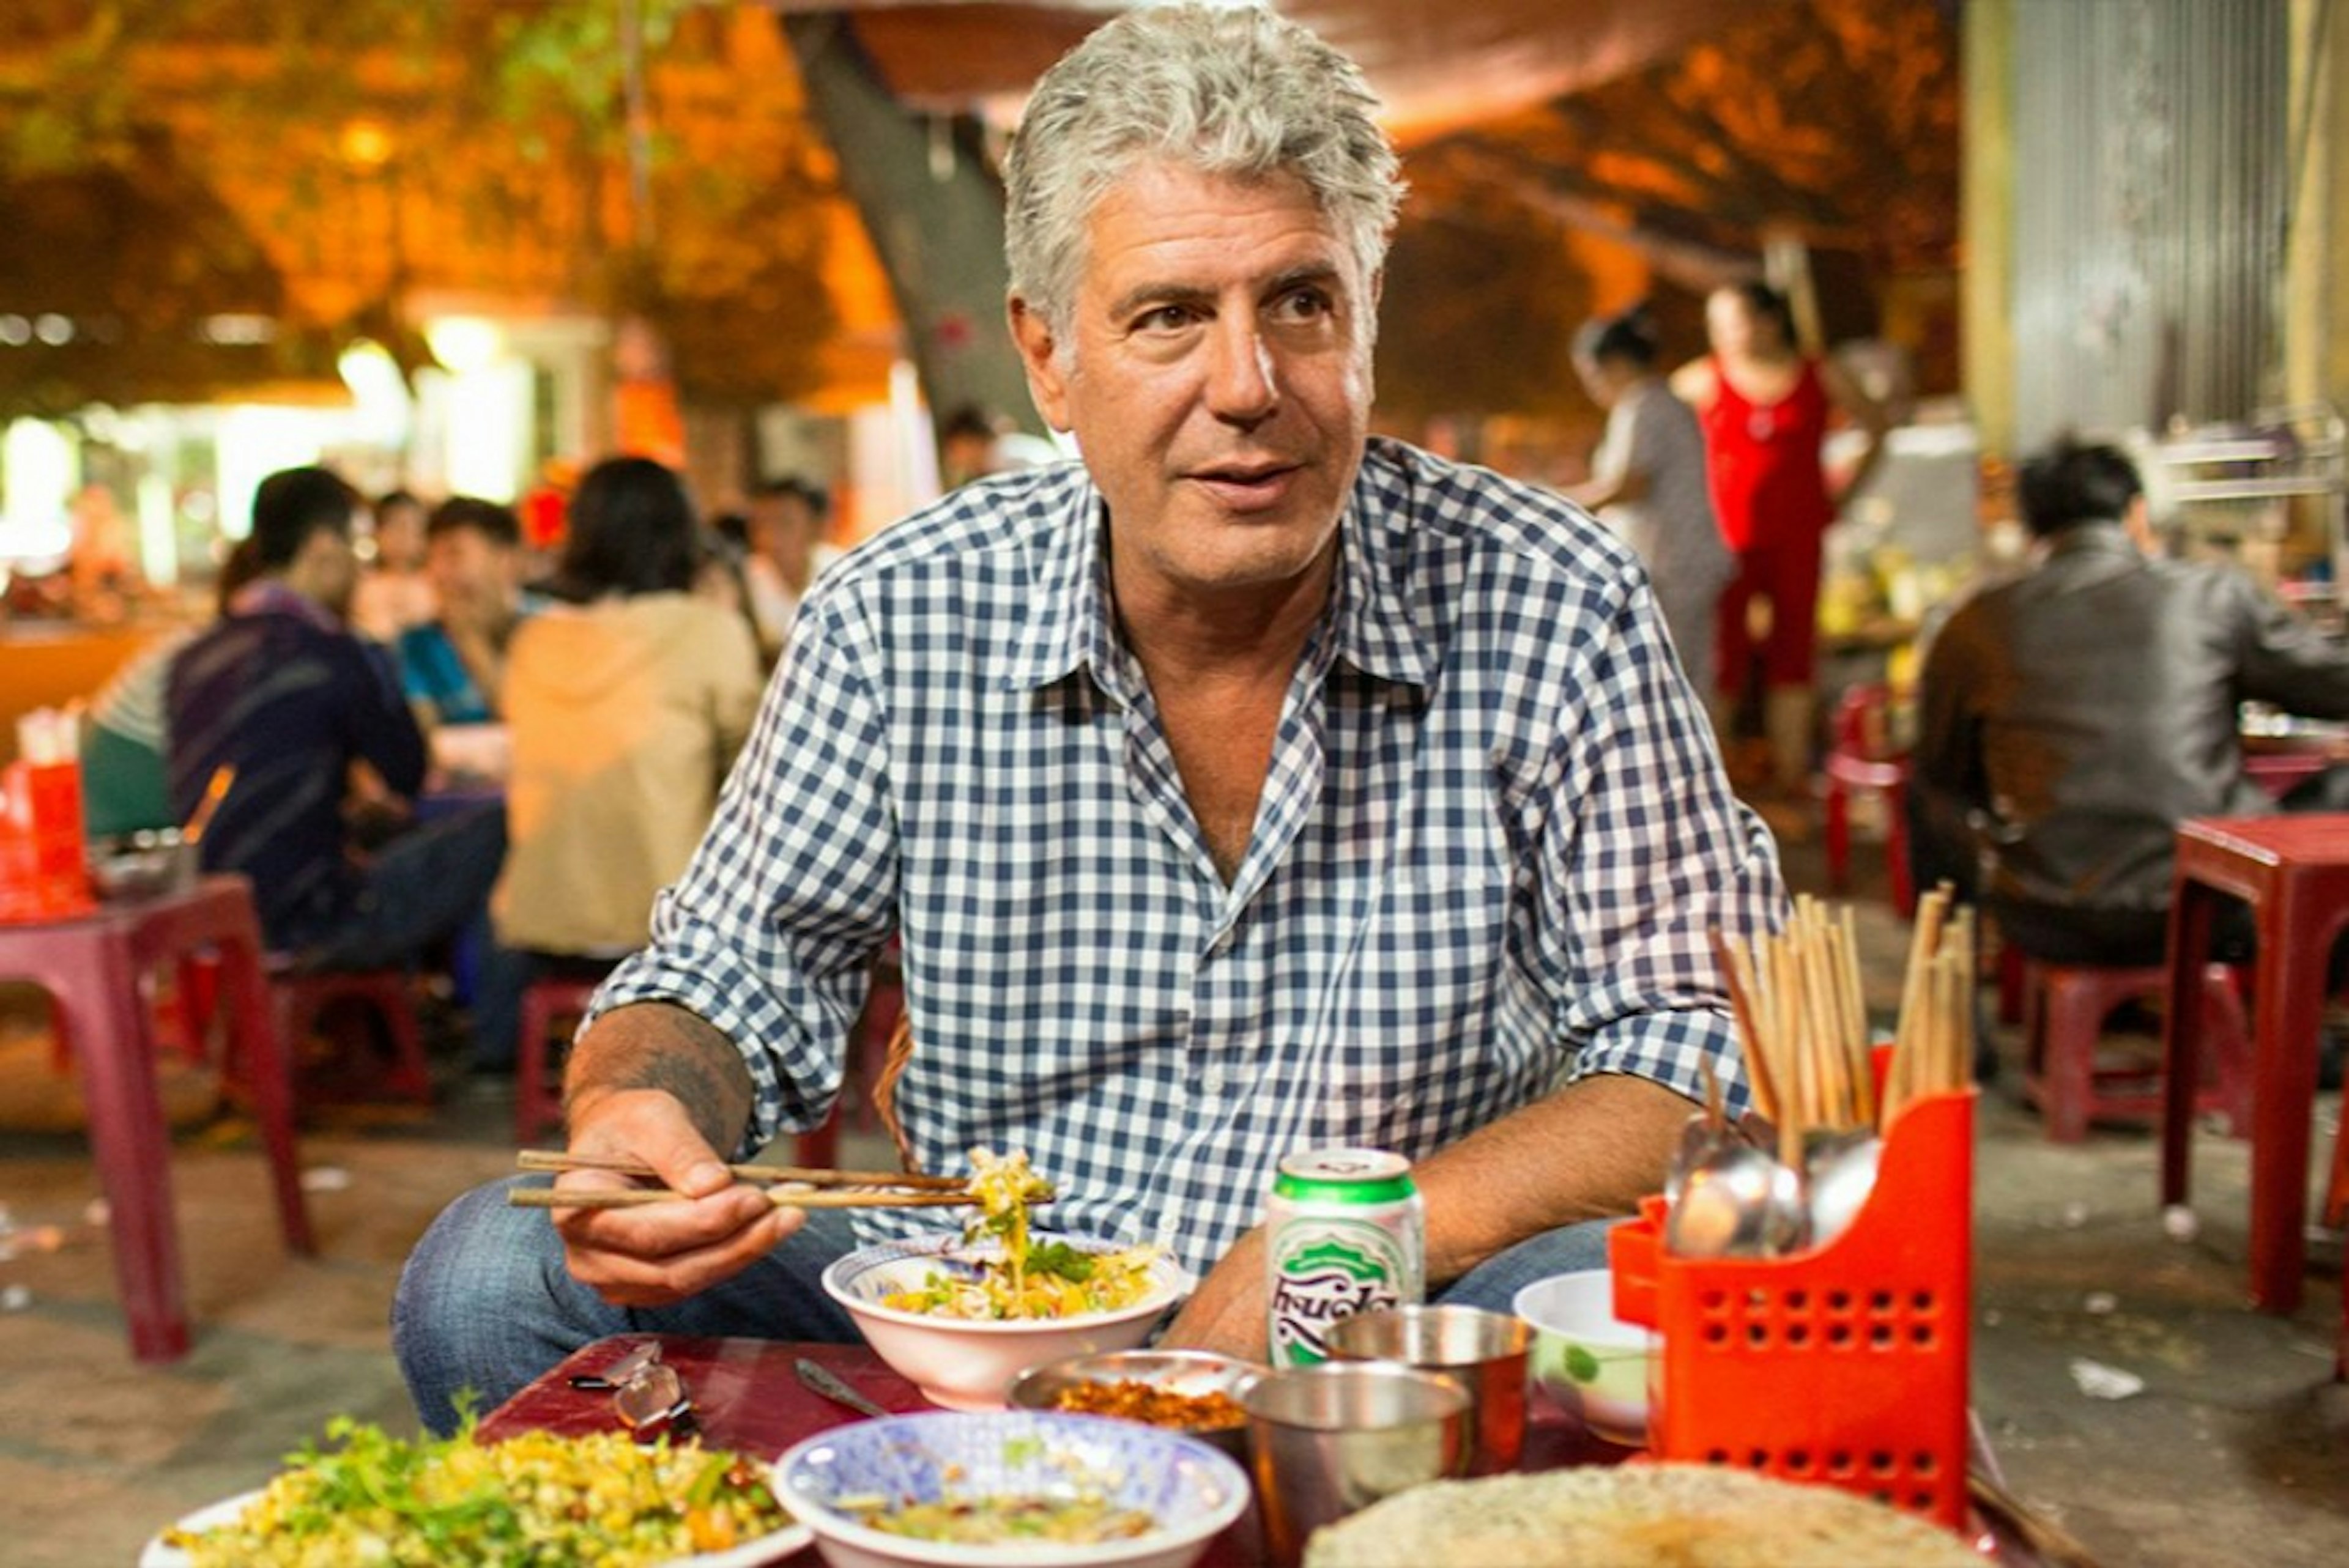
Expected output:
(91, 967)
(747, 1397)
(2293, 870)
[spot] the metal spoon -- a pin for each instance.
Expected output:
(1738, 1202)
(1842, 1174)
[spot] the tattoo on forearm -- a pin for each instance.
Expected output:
(687, 1059)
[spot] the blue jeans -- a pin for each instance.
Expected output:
(486, 1303)
(423, 887)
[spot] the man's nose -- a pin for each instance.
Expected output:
(1243, 379)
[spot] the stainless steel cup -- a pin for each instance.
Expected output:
(1325, 1441)
(1484, 1352)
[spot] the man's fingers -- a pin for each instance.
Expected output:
(634, 1277)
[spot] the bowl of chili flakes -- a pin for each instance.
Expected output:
(1195, 1392)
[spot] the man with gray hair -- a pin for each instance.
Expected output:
(1251, 785)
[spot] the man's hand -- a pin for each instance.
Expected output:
(663, 1253)
(1227, 1313)
(655, 1083)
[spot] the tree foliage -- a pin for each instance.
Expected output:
(1835, 121)
(371, 150)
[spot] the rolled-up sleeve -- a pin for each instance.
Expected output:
(1653, 855)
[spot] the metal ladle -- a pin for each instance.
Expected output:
(1738, 1202)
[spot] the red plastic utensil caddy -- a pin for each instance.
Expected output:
(44, 874)
(1847, 1364)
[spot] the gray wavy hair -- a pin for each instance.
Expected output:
(1228, 92)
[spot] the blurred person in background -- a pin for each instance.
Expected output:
(1647, 482)
(626, 699)
(452, 667)
(125, 750)
(966, 446)
(785, 527)
(2069, 719)
(393, 592)
(1764, 406)
(281, 691)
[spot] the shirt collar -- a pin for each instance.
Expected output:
(2100, 538)
(1069, 625)
(270, 597)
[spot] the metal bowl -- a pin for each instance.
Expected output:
(142, 865)
(1191, 1372)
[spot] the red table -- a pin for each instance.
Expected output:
(2293, 870)
(91, 967)
(747, 1397)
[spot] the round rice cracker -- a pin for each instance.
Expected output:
(1634, 1516)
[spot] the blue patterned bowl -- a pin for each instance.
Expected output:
(832, 1480)
(966, 1364)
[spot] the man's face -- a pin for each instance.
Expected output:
(470, 574)
(328, 568)
(784, 528)
(1217, 377)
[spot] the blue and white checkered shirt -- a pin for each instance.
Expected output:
(1494, 839)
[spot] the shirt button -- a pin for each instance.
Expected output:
(1223, 941)
(1211, 1081)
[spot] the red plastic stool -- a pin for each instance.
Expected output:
(304, 998)
(550, 1000)
(560, 998)
(2065, 1009)
(1862, 757)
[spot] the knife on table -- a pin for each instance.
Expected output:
(824, 1381)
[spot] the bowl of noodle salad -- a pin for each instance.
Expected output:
(960, 1315)
(368, 1497)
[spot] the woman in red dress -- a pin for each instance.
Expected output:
(1764, 406)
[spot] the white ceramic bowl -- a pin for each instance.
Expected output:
(1192, 1491)
(1592, 1362)
(966, 1364)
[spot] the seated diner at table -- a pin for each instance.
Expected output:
(2069, 718)
(1249, 786)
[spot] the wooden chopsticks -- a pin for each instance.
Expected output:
(1802, 1016)
(781, 1196)
(551, 1160)
(788, 1186)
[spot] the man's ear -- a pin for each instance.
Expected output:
(2139, 521)
(1048, 381)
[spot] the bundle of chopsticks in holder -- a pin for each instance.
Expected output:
(1809, 1052)
(787, 1186)
(1803, 1017)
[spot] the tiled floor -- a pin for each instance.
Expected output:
(2235, 1452)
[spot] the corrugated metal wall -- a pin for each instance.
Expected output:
(2150, 183)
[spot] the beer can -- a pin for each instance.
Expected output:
(1348, 1232)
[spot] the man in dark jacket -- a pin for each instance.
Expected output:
(2070, 718)
(279, 690)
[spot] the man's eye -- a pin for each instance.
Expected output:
(1165, 318)
(1302, 304)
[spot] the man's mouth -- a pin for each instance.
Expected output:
(1245, 486)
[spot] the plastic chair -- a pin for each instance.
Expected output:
(1862, 757)
(304, 997)
(2065, 1008)
(92, 967)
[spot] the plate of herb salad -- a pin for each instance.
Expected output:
(534, 1500)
